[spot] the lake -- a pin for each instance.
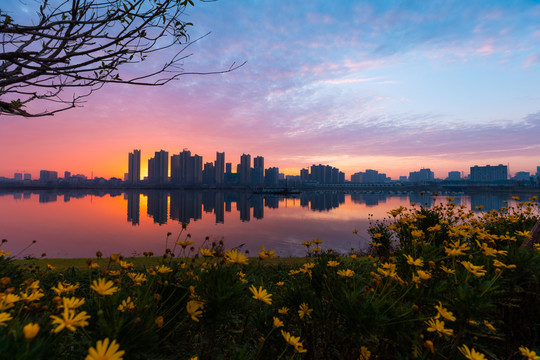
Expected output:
(75, 223)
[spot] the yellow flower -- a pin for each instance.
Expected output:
(35, 295)
(489, 326)
(65, 287)
(30, 330)
(71, 303)
(424, 275)
(365, 354)
(471, 354)
(284, 310)
(185, 244)
(125, 265)
(346, 273)
(206, 252)
(50, 267)
(309, 265)
(448, 315)
(4, 317)
(294, 341)
(126, 304)
(159, 321)
(456, 248)
(194, 309)
(280, 283)
(476, 270)
(235, 257)
(103, 287)
(447, 270)
(70, 320)
(428, 344)
(498, 264)
(434, 325)
(304, 310)
(415, 262)
(7, 301)
(261, 294)
(104, 351)
(137, 278)
(163, 269)
(2, 253)
(263, 254)
(529, 354)
(115, 257)
(332, 263)
(277, 323)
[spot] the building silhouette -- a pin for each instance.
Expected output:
(257, 173)
(220, 168)
(489, 173)
(48, 176)
(158, 168)
(134, 167)
(245, 169)
(421, 176)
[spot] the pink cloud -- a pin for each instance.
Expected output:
(530, 60)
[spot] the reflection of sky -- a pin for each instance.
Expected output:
(389, 85)
(84, 225)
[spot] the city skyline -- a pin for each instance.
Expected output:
(355, 84)
(186, 169)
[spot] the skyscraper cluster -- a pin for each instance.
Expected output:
(189, 170)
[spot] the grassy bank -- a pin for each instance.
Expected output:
(440, 283)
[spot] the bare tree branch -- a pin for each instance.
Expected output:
(84, 44)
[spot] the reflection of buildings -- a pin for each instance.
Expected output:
(322, 201)
(368, 199)
(46, 197)
(256, 202)
(186, 205)
(157, 206)
(243, 206)
(487, 202)
(133, 206)
(423, 199)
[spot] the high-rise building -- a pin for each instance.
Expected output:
(304, 174)
(186, 169)
(220, 167)
(228, 168)
(18, 176)
(67, 175)
(158, 168)
(27, 176)
(245, 169)
(489, 173)
(257, 177)
(209, 174)
(271, 176)
(134, 167)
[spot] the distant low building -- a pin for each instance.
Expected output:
(421, 176)
(489, 173)
(454, 175)
(48, 176)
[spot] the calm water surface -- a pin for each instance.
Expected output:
(79, 223)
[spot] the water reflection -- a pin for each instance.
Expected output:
(77, 223)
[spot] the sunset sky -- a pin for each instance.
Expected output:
(388, 85)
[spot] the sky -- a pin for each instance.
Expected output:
(394, 86)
